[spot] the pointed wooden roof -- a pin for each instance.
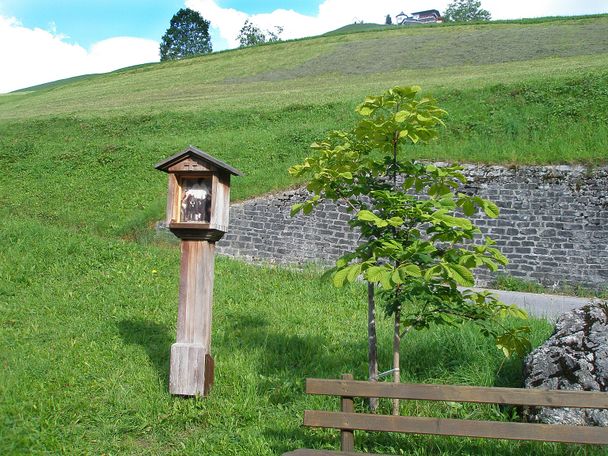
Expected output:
(192, 151)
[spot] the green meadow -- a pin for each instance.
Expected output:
(88, 292)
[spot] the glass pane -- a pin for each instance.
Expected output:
(196, 200)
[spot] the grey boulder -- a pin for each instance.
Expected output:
(574, 358)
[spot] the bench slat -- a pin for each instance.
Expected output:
(458, 393)
(456, 427)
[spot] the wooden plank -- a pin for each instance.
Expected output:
(347, 437)
(455, 393)
(191, 370)
(455, 427)
(172, 200)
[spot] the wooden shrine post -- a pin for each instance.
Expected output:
(198, 203)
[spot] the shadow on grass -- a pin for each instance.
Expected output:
(290, 356)
(155, 338)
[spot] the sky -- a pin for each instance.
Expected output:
(43, 41)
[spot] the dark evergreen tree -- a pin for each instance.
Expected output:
(389, 20)
(187, 35)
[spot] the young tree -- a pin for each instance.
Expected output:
(250, 35)
(388, 20)
(466, 11)
(275, 36)
(418, 244)
(187, 35)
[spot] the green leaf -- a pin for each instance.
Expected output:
(514, 311)
(412, 270)
(409, 92)
(354, 272)
(367, 216)
(468, 260)
(461, 274)
(498, 256)
(402, 116)
(341, 262)
(491, 209)
(395, 221)
(385, 280)
(365, 110)
(452, 221)
(340, 276)
(468, 207)
(374, 273)
(307, 208)
(492, 266)
(407, 183)
(431, 272)
(396, 277)
(514, 341)
(296, 208)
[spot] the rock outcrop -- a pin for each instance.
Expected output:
(574, 358)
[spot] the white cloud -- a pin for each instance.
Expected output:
(35, 56)
(333, 14)
(517, 9)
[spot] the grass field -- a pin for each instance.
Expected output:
(88, 295)
(86, 328)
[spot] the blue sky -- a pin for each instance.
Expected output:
(87, 22)
(55, 39)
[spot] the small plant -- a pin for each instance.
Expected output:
(417, 244)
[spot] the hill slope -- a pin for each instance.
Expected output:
(333, 68)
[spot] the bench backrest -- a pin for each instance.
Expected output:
(347, 420)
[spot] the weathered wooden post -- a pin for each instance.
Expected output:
(198, 203)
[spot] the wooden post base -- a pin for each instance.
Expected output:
(191, 372)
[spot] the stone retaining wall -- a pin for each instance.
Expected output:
(553, 225)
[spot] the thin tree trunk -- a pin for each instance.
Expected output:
(372, 350)
(396, 347)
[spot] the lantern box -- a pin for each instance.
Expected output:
(198, 199)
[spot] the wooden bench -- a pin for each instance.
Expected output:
(347, 420)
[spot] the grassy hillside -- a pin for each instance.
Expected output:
(88, 302)
(333, 68)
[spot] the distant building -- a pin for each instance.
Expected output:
(420, 17)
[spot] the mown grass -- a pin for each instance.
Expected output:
(332, 68)
(86, 328)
